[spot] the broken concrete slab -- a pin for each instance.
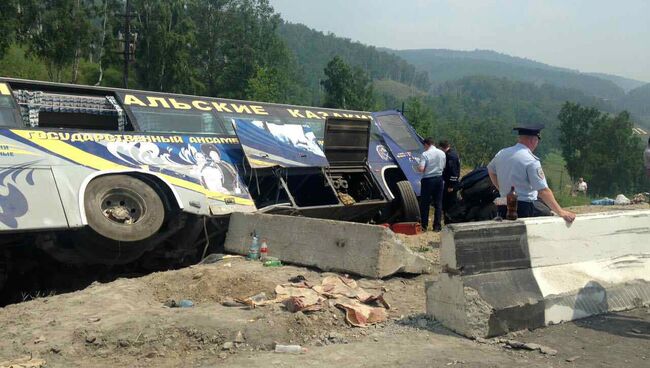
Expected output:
(361, 249)
(508, 276)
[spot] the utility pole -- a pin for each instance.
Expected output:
(127, 43)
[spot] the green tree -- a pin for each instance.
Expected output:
(601, 148)
(165, 46)
(59, 32)
(575, 129)
(8, 24)
(347, 88)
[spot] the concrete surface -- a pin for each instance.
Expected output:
(362, 249)
(507, 276)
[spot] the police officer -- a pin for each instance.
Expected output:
(432, 163)
(517, 166)
(450, 175)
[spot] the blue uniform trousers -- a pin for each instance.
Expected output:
(431, 192)
(524, 209)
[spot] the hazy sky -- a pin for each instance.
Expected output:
(608, 36)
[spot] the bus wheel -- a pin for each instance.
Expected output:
(408, 201)
(123, 208)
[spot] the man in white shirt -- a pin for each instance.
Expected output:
(582, 186)
(432, 163)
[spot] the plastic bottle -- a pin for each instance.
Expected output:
(296, 349)
(511, 199)
(264, 251)
(254, 249)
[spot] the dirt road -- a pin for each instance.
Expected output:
(125, 323)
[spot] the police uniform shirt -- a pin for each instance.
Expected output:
(517, 166)
(433, 162)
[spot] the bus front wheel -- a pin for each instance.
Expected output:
(123, 208)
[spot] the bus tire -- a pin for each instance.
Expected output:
(408, 202)
(123, 208)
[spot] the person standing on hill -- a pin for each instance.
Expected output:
(432, 164)
(517, 167)
(582, 186)
(450, 174)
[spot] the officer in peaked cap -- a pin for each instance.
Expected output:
(517, 166)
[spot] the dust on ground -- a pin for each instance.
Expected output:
(426, 244)
(125, 323)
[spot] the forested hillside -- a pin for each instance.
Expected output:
(313, 49)
(446, 65)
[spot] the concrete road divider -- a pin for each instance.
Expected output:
(362, 249)
(506, 276)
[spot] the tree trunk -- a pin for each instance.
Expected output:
(101, 45)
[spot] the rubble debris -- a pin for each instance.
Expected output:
(641, 198)
(230, 302)
(24, 362)
(295, 349)
(239, 338)
(183, 303)
(514, 344)
(342, 292)
(297, 279)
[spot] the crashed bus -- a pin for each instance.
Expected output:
(130, 170)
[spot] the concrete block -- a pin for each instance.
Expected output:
(507, 276)
(362, 249)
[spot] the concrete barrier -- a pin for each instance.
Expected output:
(362, 249)
(506, 276)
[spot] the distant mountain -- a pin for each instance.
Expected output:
(314, 49)
(626, 83)
(447, 65)
(637, 101)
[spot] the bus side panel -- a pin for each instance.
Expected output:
(29, 200)
(69, 179)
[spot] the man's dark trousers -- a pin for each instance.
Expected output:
(431, 191)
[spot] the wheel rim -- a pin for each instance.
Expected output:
(122, 206)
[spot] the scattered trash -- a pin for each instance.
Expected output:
(295, 349)
(603, 202)
(254, 249)
(258, 298)
(39, 340)
(514, 344)
(24, 362)
(636, 331)
(621, 200)
(93, 319)
(272, 263)
(230, 302)
(572, 359)
(641, 198)
(254, 301)
(239, 338)
(297, 279)
(361, 307)
(264, 251)
(216, 257)
(183, 303)
(55, 349)
(407, 228)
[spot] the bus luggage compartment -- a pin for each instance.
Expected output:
(339, 186)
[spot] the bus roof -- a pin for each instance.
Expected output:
(99, 90)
